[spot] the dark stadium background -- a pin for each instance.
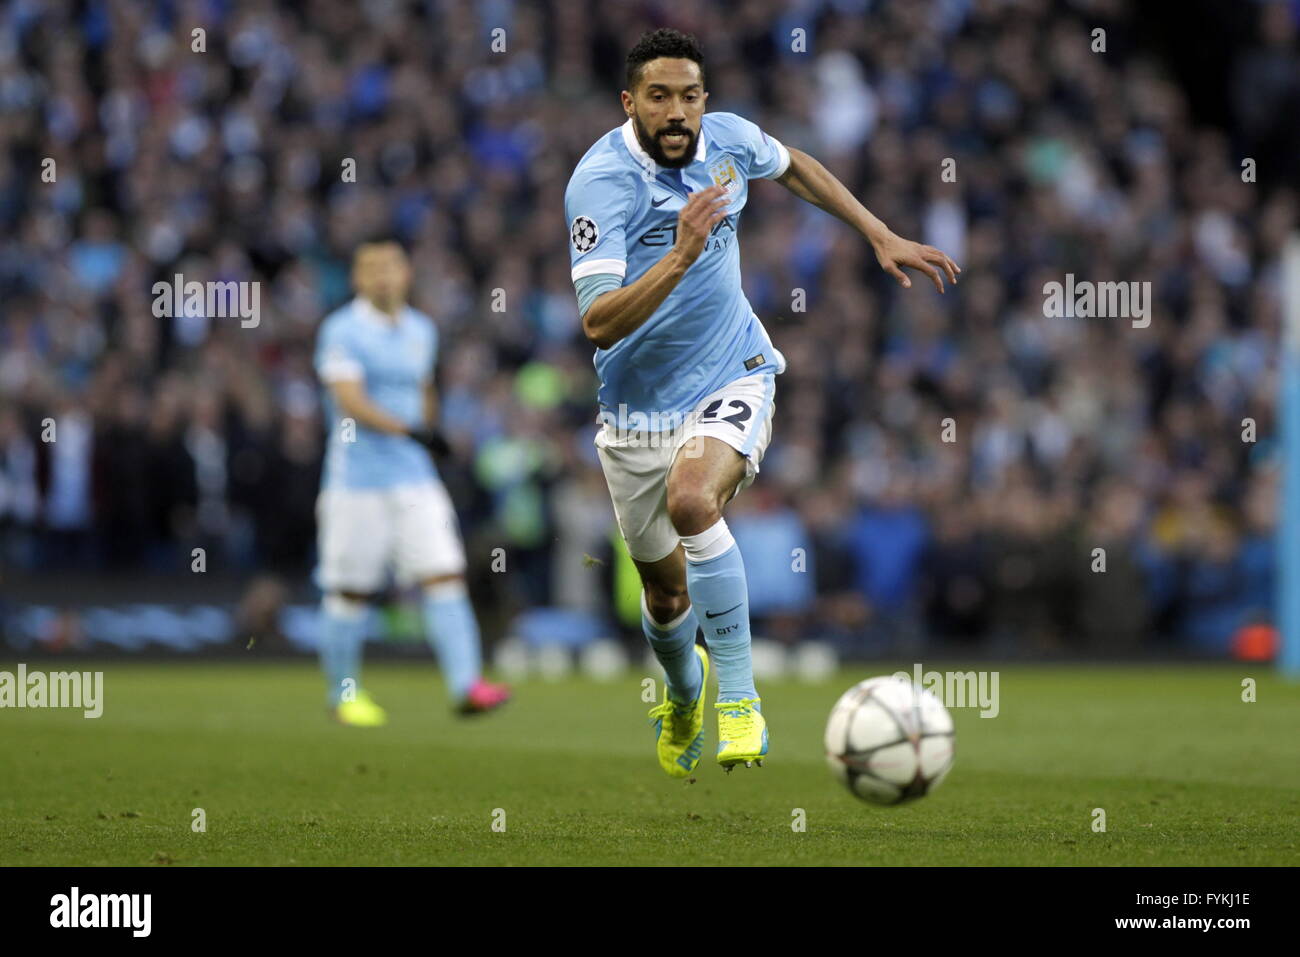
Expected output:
(1072, 434)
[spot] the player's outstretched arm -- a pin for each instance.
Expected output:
(813, 182)
(620, 312)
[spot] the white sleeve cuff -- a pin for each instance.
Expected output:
(594, 267)
(341, 369)
(783, 163)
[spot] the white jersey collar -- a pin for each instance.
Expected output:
(367, 310)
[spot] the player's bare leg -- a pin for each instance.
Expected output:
(452, 631)
(704, 474)
(665, 585)
(703, 478)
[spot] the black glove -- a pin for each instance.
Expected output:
(432, 439)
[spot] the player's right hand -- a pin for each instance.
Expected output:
(703, 210)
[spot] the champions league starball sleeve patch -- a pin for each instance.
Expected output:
(584, 233)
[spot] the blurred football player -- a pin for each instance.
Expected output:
(684, 364)
(382, 507)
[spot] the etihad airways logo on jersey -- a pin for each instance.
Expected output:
(666, 235)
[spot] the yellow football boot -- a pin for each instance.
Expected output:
(679, 728)
(360, 712)
(742, 733)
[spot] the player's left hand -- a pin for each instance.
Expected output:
(894, 252)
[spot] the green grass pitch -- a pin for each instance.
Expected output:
(1186, 772)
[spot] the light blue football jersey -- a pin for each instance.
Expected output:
(394, 360)
(622, 212)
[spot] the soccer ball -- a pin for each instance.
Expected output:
(889, 740)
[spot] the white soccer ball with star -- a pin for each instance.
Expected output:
(889, 740)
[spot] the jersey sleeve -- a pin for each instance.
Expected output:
(336, 359)
(596, 205)
(765, 157)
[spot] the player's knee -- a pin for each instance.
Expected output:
(691, 510)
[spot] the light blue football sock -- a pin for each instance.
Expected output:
(452, 632)
(343, 632)
(715, 579)
(674, 646)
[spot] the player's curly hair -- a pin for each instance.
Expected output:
(664, 42)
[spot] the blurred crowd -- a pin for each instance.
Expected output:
(943, 468)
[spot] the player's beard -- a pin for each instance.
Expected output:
(652, 145)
